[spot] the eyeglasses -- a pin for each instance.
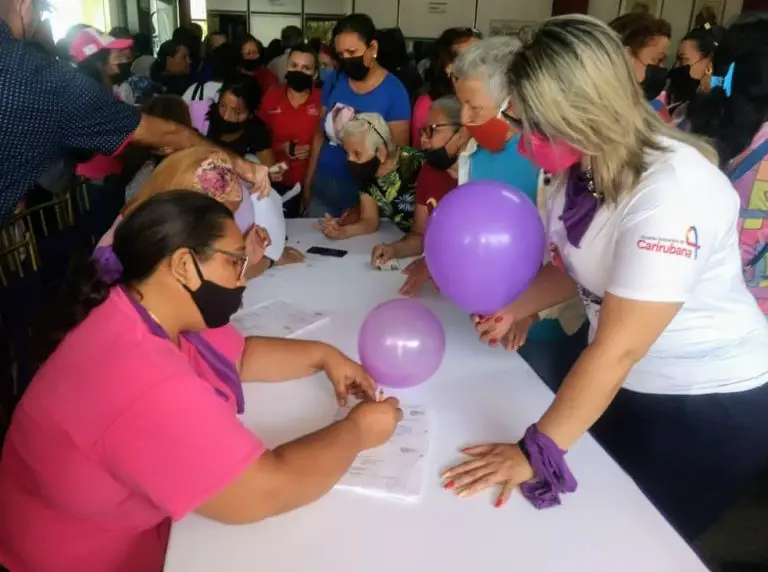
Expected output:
(428, 131)
(240, 258)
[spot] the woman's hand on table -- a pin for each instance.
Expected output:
(376, 421)
(418, 274)
(493, 329)
(497, 464)
(255, 174)
(332, 228)
(349, 378)
(518, 334)
(381, 254)
(290, 255)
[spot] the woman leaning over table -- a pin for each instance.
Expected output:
(643, 226)
(384, 173)
(131, 423)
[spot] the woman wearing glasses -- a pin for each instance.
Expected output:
(441, 141)
(550, 341)
(131, 423)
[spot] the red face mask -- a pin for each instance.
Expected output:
(491, 135)
(553, 156)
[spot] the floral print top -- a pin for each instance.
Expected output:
(395, 192)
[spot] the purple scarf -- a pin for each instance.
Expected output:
(110, 271)
(553, 477)
(581, 204)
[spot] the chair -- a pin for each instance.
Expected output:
(54, 225)
(21, 296)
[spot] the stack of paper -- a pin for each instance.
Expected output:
(276, 319)
(397, 469)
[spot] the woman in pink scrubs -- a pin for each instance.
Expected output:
(132, 422)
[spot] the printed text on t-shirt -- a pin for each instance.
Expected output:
(688, 248)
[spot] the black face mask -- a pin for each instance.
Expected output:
(123, 73)
(655, 81)
(299, 81)
(221, 125)
(364, 173)
(439, 159)
(682, 87)
(355, 68)
(251, 65)
(216, 303)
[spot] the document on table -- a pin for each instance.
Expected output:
(276, 319)
(397, 469)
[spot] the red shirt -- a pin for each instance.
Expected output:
(432, 185)
(288, 123)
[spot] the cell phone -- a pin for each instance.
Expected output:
(292, 149)
(323, 251)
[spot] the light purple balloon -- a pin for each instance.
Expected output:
(401, 343)
(484, 244)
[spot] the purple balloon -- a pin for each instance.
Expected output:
(484, 244)
(402, 343)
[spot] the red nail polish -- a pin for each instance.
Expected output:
(498, 503)
(449, 485)
(494, 342)
(499, 319)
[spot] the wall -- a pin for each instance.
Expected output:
(677, 12)
(427, 18)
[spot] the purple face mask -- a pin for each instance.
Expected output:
(553, 156)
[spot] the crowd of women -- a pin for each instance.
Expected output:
(646, 318)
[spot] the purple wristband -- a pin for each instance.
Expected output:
(553, 477)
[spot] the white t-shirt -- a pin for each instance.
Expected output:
(210, 91)
(674, 239)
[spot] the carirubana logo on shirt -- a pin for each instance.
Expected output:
(692, 240)
(688, 248)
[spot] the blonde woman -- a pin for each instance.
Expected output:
(642, 225)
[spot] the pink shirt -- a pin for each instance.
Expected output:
(419, 120)
(119, 433)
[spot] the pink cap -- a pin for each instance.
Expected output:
(88, 41)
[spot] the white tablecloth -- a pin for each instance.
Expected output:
(478, 395)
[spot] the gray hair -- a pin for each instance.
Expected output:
(487, 61)
(451, 108)
(373, 129)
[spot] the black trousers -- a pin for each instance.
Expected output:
(692, 455)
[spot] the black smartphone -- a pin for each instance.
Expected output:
(292, 149)
(323, 251)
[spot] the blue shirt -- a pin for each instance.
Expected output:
(47, 107)
(389, 99)
(510, 167)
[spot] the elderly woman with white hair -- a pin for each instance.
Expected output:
(549, 341)
(643, 226)
(384, 173)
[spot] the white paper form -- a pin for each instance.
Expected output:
(397, 469)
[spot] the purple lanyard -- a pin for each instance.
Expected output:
(223, 368)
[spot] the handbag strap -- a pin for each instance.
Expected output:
(749, 162)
